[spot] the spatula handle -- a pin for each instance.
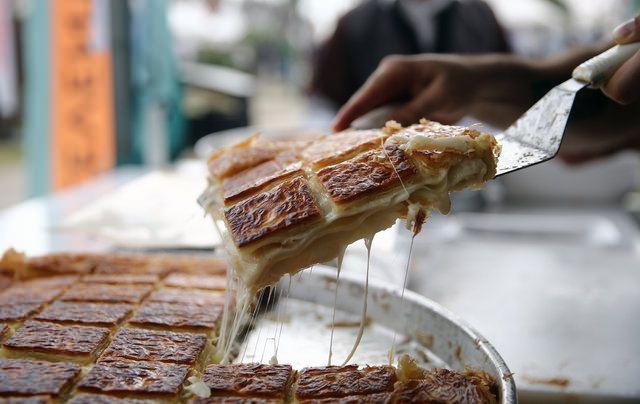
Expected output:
(597, 70)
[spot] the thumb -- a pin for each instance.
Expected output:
(628, 31)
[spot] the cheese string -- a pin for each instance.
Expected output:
(392, 351)
(335, 302)
(367, 243)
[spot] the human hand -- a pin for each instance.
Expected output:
(624, 86)
(438, 87)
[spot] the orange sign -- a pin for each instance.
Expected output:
(83, 136)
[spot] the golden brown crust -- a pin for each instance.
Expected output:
(248, 380)
(341, 146)
(135, 377)
(18, 376)
(252, 180)
(87, 398)
(97, 292)
(177, 315)
(210, 282)
(446, 386)
(39, 336)
(104, 314)
(64, 263)
(342, 381)
(283, 207)
(188, 296)
(17, 311)
(121, 278)
(21, 293)
(235, 400)
(367, 174)
(39, 399)
(161, 346)
(375, 398)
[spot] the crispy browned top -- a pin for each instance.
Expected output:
(57, 339)
(162, 346)
(63, 263)
(85, 313)
(233, 161)
(17, 311)
(97, 292)
(18, 376)
(366, 174)
(443, 385)
(235, 400)
(190, 296)
(289, 204)
(88, 398)
(121, 278)
(341, 381)
(211, 282)
(248, 379)
(51, 281)
(135, 377)
(177, 315)
(375, 398)
(341, 146)
(256, 178)
(21, 293)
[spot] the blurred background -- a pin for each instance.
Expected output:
(87, 85)
(108, 109)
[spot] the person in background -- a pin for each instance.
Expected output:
(378, 28)
(497, 89)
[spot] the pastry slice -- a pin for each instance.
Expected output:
(278, 214)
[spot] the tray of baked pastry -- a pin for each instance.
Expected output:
(92, 328)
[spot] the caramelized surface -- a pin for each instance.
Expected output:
(212, 282)
(177, 315)
(369, 173)
(287, 205)
(341, 381)
(94, 292)
(252, 380)
(341, 146)
(85, 313)
(446, 386)
(119, 376)
(19, 376)
(40, 336)
(149, 345)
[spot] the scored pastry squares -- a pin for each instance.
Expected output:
(98, 292)
(39, 337)
(33, 377)
(196, 297)
(124, 376)
(103, 314)
(153, 345)
(121, 278)
(250, 381)
(183, 316)
(277, 220)
(287, 205)
(90, 398)
(342, 146)
(187, 281)
(341, 381)
(17, 311)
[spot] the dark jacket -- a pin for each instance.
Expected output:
(377, 28)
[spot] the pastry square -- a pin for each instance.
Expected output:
(211, 282)
(17, 311)
(19, 376)
(120, 376)
(55, 339)
(177, 315)
(188, 296)
(151, 345)
(104, 314)
(341, 381)
(248, 380)
(121, 278)
(98, 292)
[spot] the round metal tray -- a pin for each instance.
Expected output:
(297, 330)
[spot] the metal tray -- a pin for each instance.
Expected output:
(296, 330)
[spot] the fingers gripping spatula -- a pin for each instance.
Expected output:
(536, 136)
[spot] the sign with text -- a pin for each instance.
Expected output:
(82, 112)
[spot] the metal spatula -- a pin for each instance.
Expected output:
(536, 136)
